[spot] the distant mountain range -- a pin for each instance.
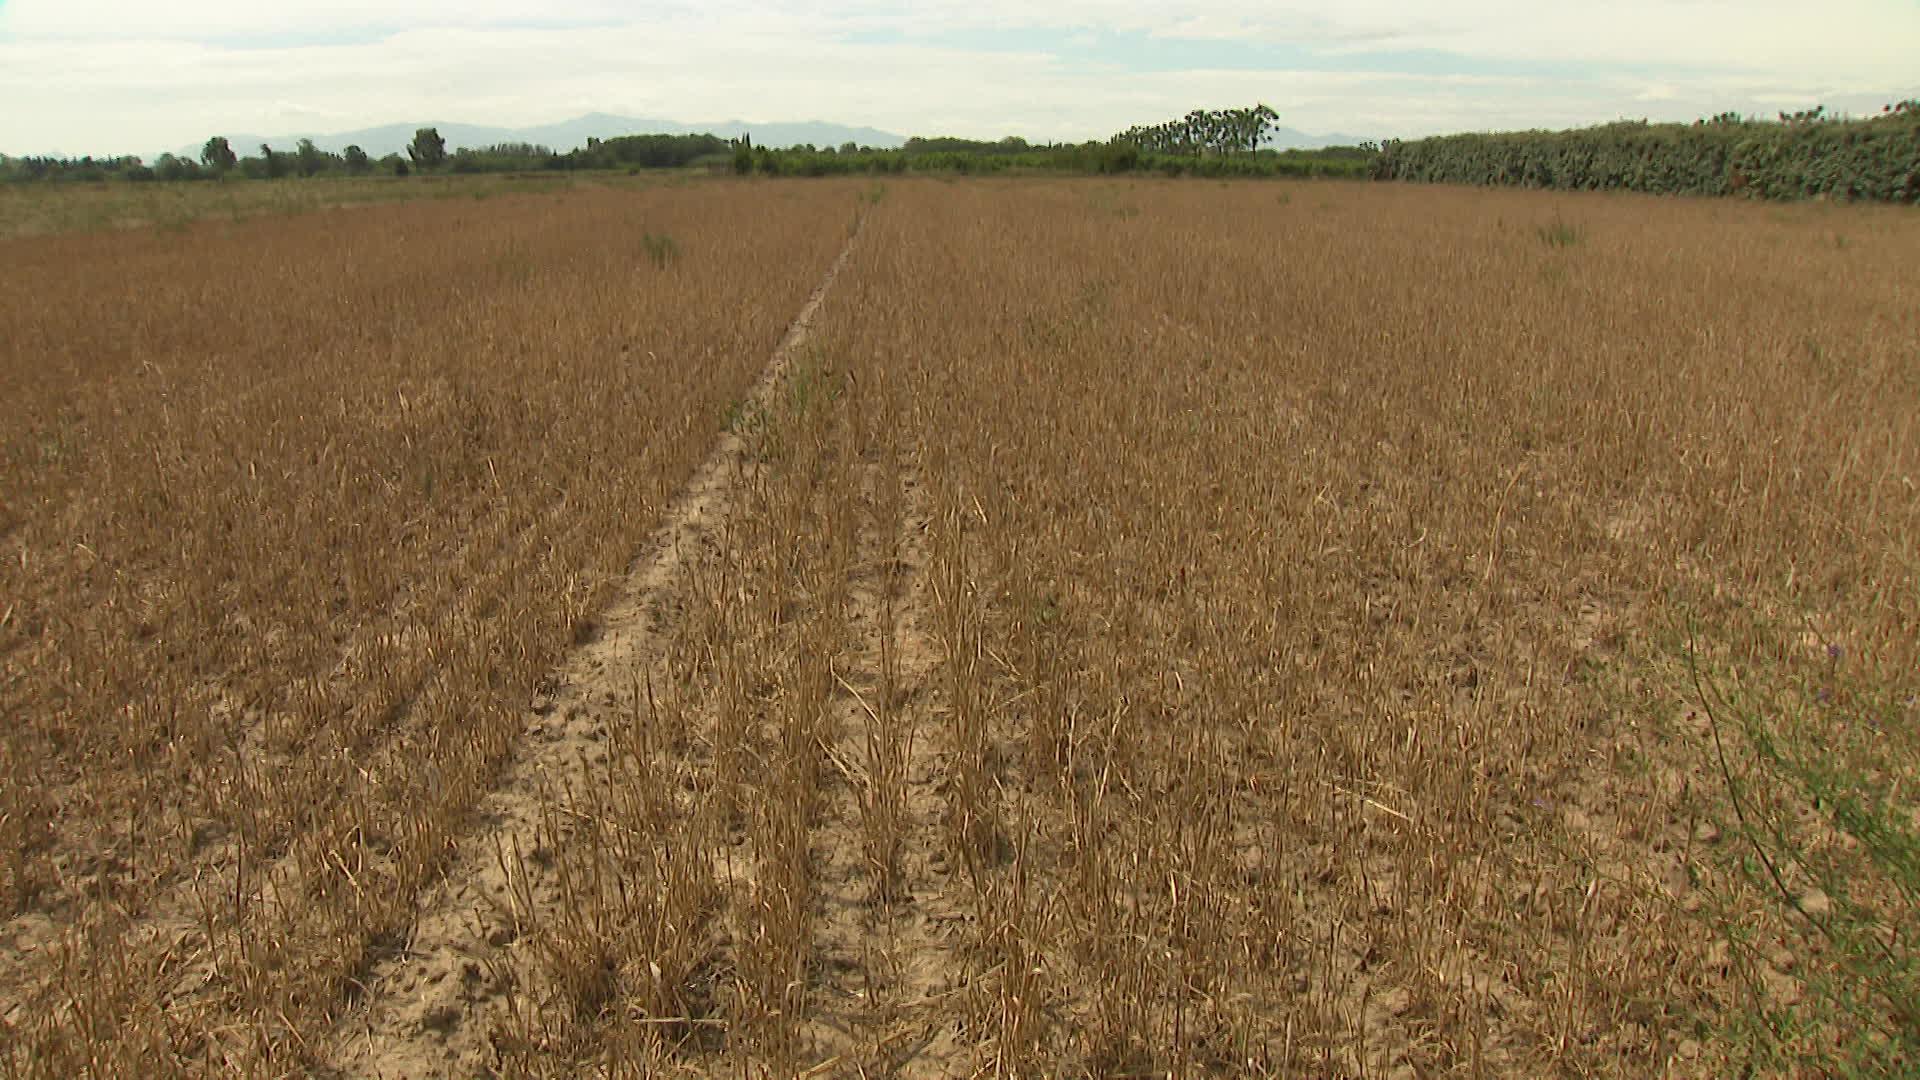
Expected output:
(572, 134)
(1286, 138)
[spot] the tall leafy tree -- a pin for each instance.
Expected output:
(1261, 120)
(308, 158)
(357, 161)
(428, 150)
(217, 155)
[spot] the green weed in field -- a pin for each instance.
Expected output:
(1561, 234)
(661, 249)
(1812, 765)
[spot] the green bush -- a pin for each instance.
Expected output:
(1559, 234)
(1876, 159)
(661, 249)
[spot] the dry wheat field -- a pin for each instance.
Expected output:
(1014, 628)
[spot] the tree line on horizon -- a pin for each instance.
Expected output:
(218, 160)
(1205, 131)
(428, 154)
(1805, 153)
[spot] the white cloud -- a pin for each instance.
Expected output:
(1868, 38)
(238, 19)
(82, 76)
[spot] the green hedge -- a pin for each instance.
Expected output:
(1877, 159)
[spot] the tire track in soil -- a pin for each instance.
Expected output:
(429, 1009)
(885, 965)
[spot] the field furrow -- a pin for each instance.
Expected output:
(292, 790)
(884, 959)
(429, 1007)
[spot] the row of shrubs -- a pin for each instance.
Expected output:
(1093, 157)
(1876, 159)
(634, 153)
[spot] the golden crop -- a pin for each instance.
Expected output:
(297, 514)
(1134, 629)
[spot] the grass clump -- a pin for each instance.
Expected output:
(662, 250)
(1817, 769)
(1559, 233)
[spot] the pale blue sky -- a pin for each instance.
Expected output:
(99, 76)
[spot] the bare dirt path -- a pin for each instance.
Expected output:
(429, 1009)
(885, 956)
